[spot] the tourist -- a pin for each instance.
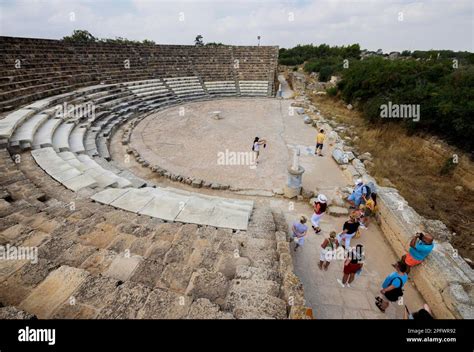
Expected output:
(421, 246)
(392, 287)
(320, 206)
(319, 143)
(368, 210)
(352, 266)
(256, 146)
(424, 314)
(299, 231)
(328, 250)
(349, 230)
(358, 194)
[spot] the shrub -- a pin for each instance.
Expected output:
(331, 91)
(325, 73)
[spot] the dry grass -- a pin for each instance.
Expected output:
(413, 164)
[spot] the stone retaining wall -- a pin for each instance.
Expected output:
(444, 279)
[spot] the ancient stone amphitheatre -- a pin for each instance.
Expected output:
(122, 174)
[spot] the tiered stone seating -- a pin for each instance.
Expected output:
(61, 170)
(44, 135)
(186, 87)
(51, 67)
(73, 150)
(221, 88)
(253, 87)
(24, 135)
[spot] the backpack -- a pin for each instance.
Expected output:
(369, 188)
(396, 293)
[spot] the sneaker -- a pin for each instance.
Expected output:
(339, 281)
(348, 285)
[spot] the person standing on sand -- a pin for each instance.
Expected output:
(352, 266)
(257, 142)
(328, 249)
(392, 287)
(299, 231)
(320, 137)
(349, 230)
(319, 209)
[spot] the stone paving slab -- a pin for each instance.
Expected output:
(198, 210)
(66, 175)
(79, 182)
(165, 206)
(176, 205)
(134, 200)
(229, 218)
(109, 195)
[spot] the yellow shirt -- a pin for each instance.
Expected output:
(320, 138)
(370, 204)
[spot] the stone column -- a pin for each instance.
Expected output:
(295, 177)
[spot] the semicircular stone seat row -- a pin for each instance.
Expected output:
(69, 135)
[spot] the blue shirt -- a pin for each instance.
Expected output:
(421, 250)
(396, 282)
(300, 228)
(359, 191)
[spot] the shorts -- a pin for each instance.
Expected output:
(319, 146)
(410, 261)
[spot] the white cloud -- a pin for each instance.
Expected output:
(438, 24)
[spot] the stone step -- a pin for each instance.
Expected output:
(175, 205)
(61, 136)
(13, 120)
(61, 170)
(76, 139)
(44, 135)
(24, 134)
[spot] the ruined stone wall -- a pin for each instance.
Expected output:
(32, 69)
(444, 279)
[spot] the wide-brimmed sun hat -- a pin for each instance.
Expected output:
(322, 198)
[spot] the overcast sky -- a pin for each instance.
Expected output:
(386, 24)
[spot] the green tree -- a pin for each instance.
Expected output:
(198, 41)
(80, 36)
